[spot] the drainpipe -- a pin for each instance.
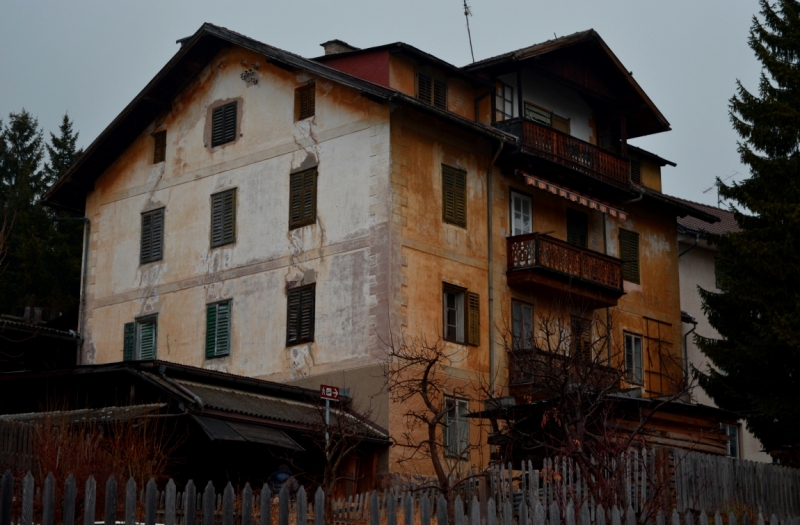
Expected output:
(197, 400)
(635, 199)
(608, 310)
(687, 250)
(489, 223)
(87, 229)
(689, 319)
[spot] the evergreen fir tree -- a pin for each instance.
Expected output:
(757, 310)
(62, 151)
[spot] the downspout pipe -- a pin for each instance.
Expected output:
(635, 199)
(489, 226)
(87, 230)
(197, 399)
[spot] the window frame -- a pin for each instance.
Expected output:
(300, 183)
(630, 265)
(309, 90)
(514, 194)
(630, 358)
(215, 353)
(226, 238)
(224, 111)
(733, 445)
(159, 146)
(147, 233)
(503, 99)
(460, 316)
(132, 334)
(303, 298)
(526, 334)
(455, 432)
(458, 193)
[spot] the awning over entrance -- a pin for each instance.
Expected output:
(218, 429)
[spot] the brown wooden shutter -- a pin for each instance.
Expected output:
(473, 319)
(223, 218)
(306, 101)
(636, 169)
(300, 315)
(577, 228)
(440, 94)
(302, 199)
(454, 196)
(425, 87)
(223, 124)
(629, 253)
(307, 314)
(159, 146)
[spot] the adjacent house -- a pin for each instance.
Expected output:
(261, 214)
(698, 270)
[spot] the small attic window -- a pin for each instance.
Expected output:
(159, 146)
(432, 90)
(305, 101)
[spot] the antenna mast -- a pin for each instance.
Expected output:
(467, 14)
(716, 185)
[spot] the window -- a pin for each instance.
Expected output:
(521, 214)
(218, 329)
(152, 241)
(577, 228)
(223, 218)
(581, 338)
(503, 101)
(454, 196)
(633, 359)
(732, 431)
(432, 90)
(159, 146)
(546, 117)
(140, 339)
(302, 198)
(521, 326)
(223, 124)
(629, 253)
(462, 315)
(636, 169)
(300, 315)
(305, 101)
(456, 427)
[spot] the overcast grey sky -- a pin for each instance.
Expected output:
(90, 58)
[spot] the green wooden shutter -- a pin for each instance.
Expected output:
(293, 317)
(629, 253)
(223, 124)
(211, 331)
(473, 319)
(307, 314)
(454, 196)
(129, 348)
(157, 235)
(223, 218)
(147, 340)
(577, 228)
(146, 246)
(223, 340)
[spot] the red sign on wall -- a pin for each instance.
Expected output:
(329, 392)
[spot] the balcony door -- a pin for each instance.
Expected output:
(521, 214)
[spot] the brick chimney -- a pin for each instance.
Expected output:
(333, 47)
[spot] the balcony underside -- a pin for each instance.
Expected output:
(576, 292)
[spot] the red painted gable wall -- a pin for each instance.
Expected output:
(369, 66)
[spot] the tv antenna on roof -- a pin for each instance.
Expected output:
(467, 14)
(716, 185)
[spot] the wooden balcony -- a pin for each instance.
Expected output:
(565, 150)
(537, 260)
(534, 372)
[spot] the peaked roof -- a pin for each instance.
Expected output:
(69, 191)
(725, 223)
(583, 38)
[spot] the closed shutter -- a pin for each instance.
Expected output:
(152, 236)
(147, 341)
(159, 147)
(440, 94)
(424, 87)
(300, 315)
(577, 228)
(129, 348)
(306, 101)
(218, 329)
(473, 319)
(629, 253)
(211, 331)
(636, 169)
(223, 218)
(454, 196)
(303, 199)
(223, 124)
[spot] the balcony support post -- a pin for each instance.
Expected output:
(623, 136)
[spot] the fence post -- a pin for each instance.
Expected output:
(27, 499)
(731, 518)
(586, 518)
(508, 512)
(48, 499)
(375, 511)
(190, 508)
(6, 493)
(555, 515)
(130, 502)
(170, 500)
(408, 509)
(391, 509)
(491, 513)
(600, 515)
(459, 512)
(441, 511)
(209, 504)
(150, 496)
(616, 519)
(247, 505)
(89, 501)
(68, 508)
(283, 505)
(301, 503)
(676, 518)
(569, 518)
(319, 507)
(475, 513)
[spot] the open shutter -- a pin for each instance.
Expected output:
(454, 196)
(157, 235)
(440, 94)
(307, 314)
(223, 331)
(147, 341)
(129, 349)
(629, 253)
(577, 228)
(425, 87)
(473, 319)
(217, 212)
(146, 248)
(211, 331)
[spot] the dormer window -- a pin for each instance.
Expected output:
(432, 90)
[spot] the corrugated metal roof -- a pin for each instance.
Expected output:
(88, 414)
(727, 222)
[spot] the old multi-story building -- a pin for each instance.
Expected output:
(698, 270)
(267, 215)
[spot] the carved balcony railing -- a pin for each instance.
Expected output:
(547, 371)
(564, 149)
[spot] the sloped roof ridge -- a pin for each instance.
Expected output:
(576, 36)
